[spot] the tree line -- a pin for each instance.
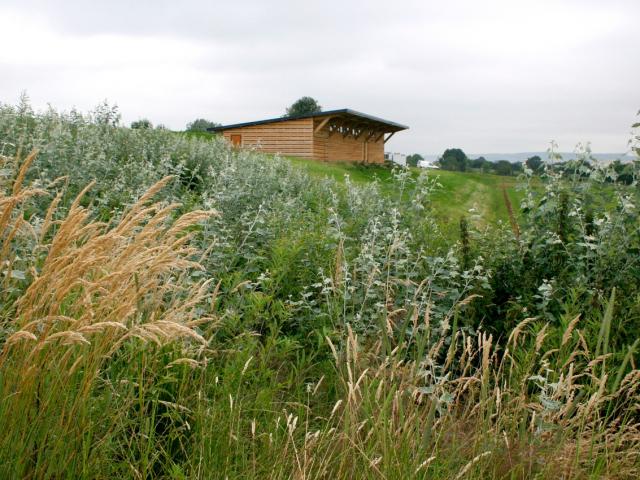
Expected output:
(302, 106)
(456, 160)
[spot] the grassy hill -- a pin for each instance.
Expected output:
(477, 195)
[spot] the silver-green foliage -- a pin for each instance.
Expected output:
(275, 221)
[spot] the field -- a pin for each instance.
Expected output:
(461, 194)
(174, 308)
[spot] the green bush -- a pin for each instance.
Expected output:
(314, 328)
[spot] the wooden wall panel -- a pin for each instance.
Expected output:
(294, 137)
(297, 138)
(376, 152)
(344, 149)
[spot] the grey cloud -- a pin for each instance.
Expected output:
(485, 76)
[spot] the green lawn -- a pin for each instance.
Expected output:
(477, 195)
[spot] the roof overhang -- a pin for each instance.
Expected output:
(346, 117)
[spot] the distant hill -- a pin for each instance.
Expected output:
(522, 156)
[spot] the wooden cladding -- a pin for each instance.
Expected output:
(337, 139)
(330, 138)
(294, 137)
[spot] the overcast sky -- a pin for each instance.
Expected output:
(486, 76)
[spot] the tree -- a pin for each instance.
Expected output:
(477, 163)
(503, 167)
(142, 124)
(303, 106)
(453, 159)
(625, 172)
(201, 125)
(534, 163)
(413, 160)
(516, 168)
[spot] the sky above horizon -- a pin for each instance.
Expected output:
(491, 76)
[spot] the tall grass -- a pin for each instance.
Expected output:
(100, 297)
(118, 361)
(476, 413)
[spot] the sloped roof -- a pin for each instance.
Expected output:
(343, 113)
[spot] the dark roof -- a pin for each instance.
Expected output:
(345, 112)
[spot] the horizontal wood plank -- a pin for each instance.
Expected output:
(309, 138)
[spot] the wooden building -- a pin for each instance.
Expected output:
(336, 135)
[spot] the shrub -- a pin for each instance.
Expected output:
(303, 106)
(309, 328)
(142, 124)
(201, 125)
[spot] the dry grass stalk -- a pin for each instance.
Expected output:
(107, 283)
(567, 333)
(495, 416)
